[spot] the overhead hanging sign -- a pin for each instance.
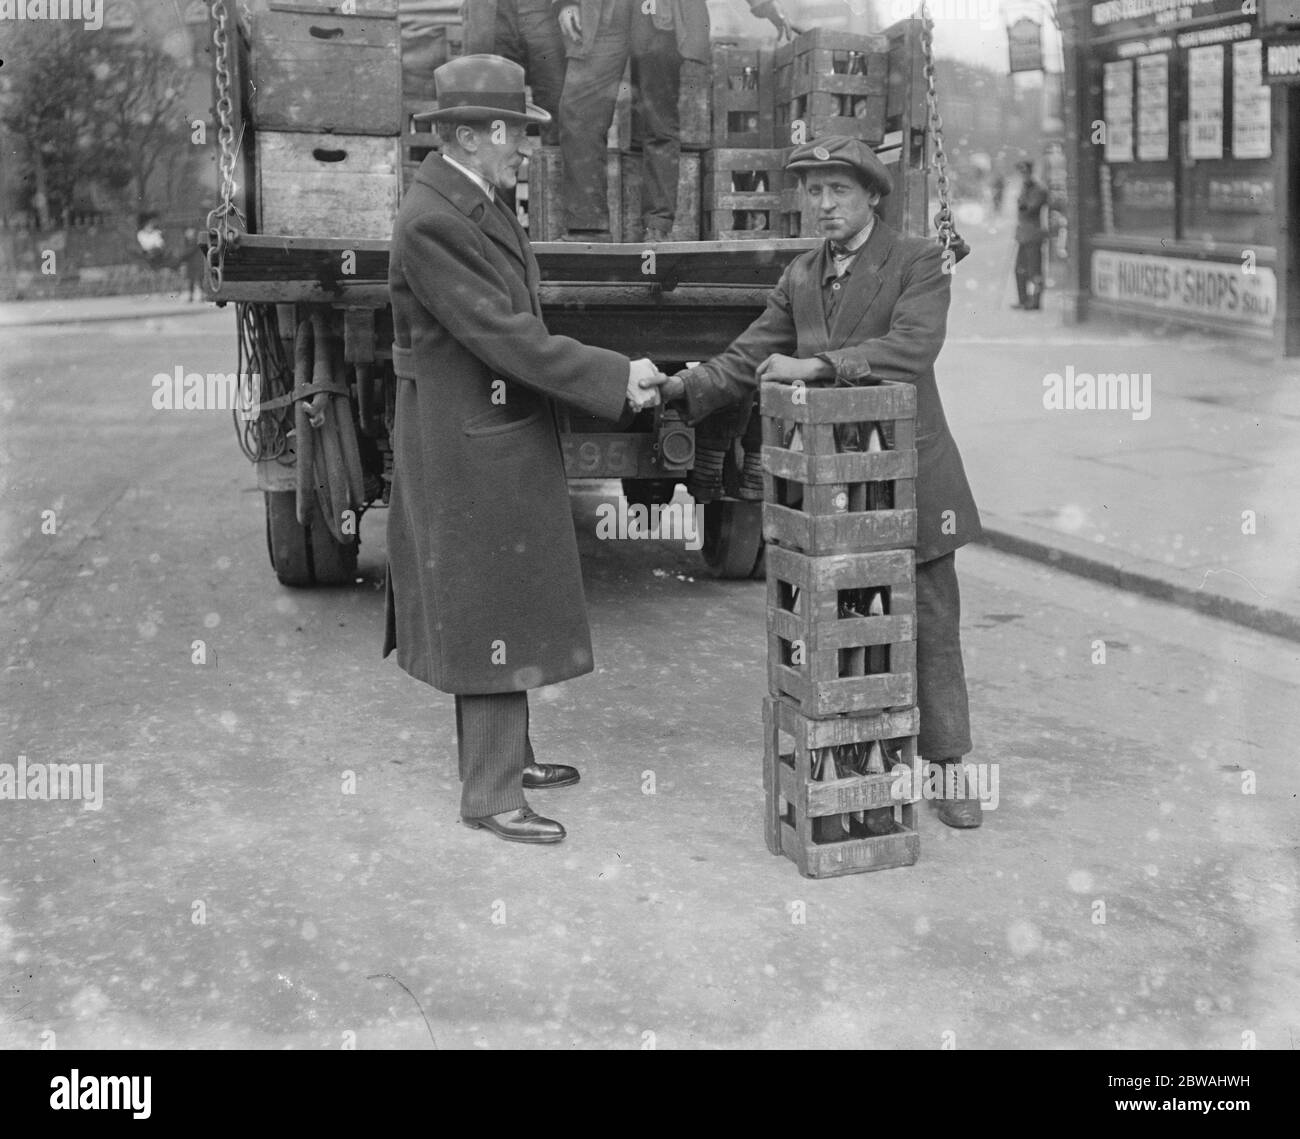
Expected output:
(1025, 41)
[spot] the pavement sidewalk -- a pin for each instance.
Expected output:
(81, 310)
(1194, 504)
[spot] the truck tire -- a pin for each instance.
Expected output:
(303, 556)
(733, 539)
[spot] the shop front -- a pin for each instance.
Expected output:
(1184, 148)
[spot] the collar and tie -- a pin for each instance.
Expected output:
(843, 252)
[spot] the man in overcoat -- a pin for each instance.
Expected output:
(601, 35)
(484, 596)
(870, 304)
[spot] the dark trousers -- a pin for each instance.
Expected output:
(940, 674)
(587, 109)
(1029, 273)
(492, 748)
(528, 33)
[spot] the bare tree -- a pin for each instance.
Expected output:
(85, 114)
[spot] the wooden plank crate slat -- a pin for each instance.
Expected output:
(842, 630)
(825, 492)
(744, 100)
(833, 826)
(325, 72)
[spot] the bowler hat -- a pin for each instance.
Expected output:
(472, 88)
(840, 150)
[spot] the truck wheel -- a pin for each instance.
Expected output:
(308, 555)
(733, 539)
(649, 492)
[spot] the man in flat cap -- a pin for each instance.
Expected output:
(870, 304)
(602, 35)
(484, 591)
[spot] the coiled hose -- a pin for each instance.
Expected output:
(329, 458)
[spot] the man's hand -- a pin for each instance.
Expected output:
(671, 387)
(787, 369)
(642, 384)
(571, 22)
(771, 11)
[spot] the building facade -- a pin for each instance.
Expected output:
(1183, 160)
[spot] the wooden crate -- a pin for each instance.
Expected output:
(744, 101)
(820, 114)
(824, 492)
(327, 185)
(545, 194)
(686, 222)
(822, 53)
(831, 83)
(742, 193)
(319, 72)
(822, 824)
(826, 652)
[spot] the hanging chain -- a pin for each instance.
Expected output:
(222, 233)
(939, 158)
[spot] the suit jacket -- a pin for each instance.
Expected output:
(484, 585)
(889, 325)
(689, 18)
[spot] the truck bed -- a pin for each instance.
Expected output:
(686, 304)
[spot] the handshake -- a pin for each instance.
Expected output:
(647, 386)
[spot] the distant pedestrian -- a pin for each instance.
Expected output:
(1030, 235)
(998, 188)
(192, 256)
(150, 239)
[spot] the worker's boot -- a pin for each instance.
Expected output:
(751, 478)
(704, 482)
(959, 807)
(656, 229)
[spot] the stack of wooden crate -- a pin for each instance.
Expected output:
(831, 83)
(840, 519)
(326, 110)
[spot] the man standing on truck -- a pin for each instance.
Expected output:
(528, 33)
(869, 304)
(658, 35)
(484, 592)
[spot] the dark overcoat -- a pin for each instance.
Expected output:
(889, 325)
(484, 584)
(688, 18)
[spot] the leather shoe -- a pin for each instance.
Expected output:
(546, 775)
(962, 810)
(523, 825)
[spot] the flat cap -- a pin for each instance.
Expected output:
(840, 150)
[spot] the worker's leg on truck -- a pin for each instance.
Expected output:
(543, 60)
(656, 82)
(586, 110)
